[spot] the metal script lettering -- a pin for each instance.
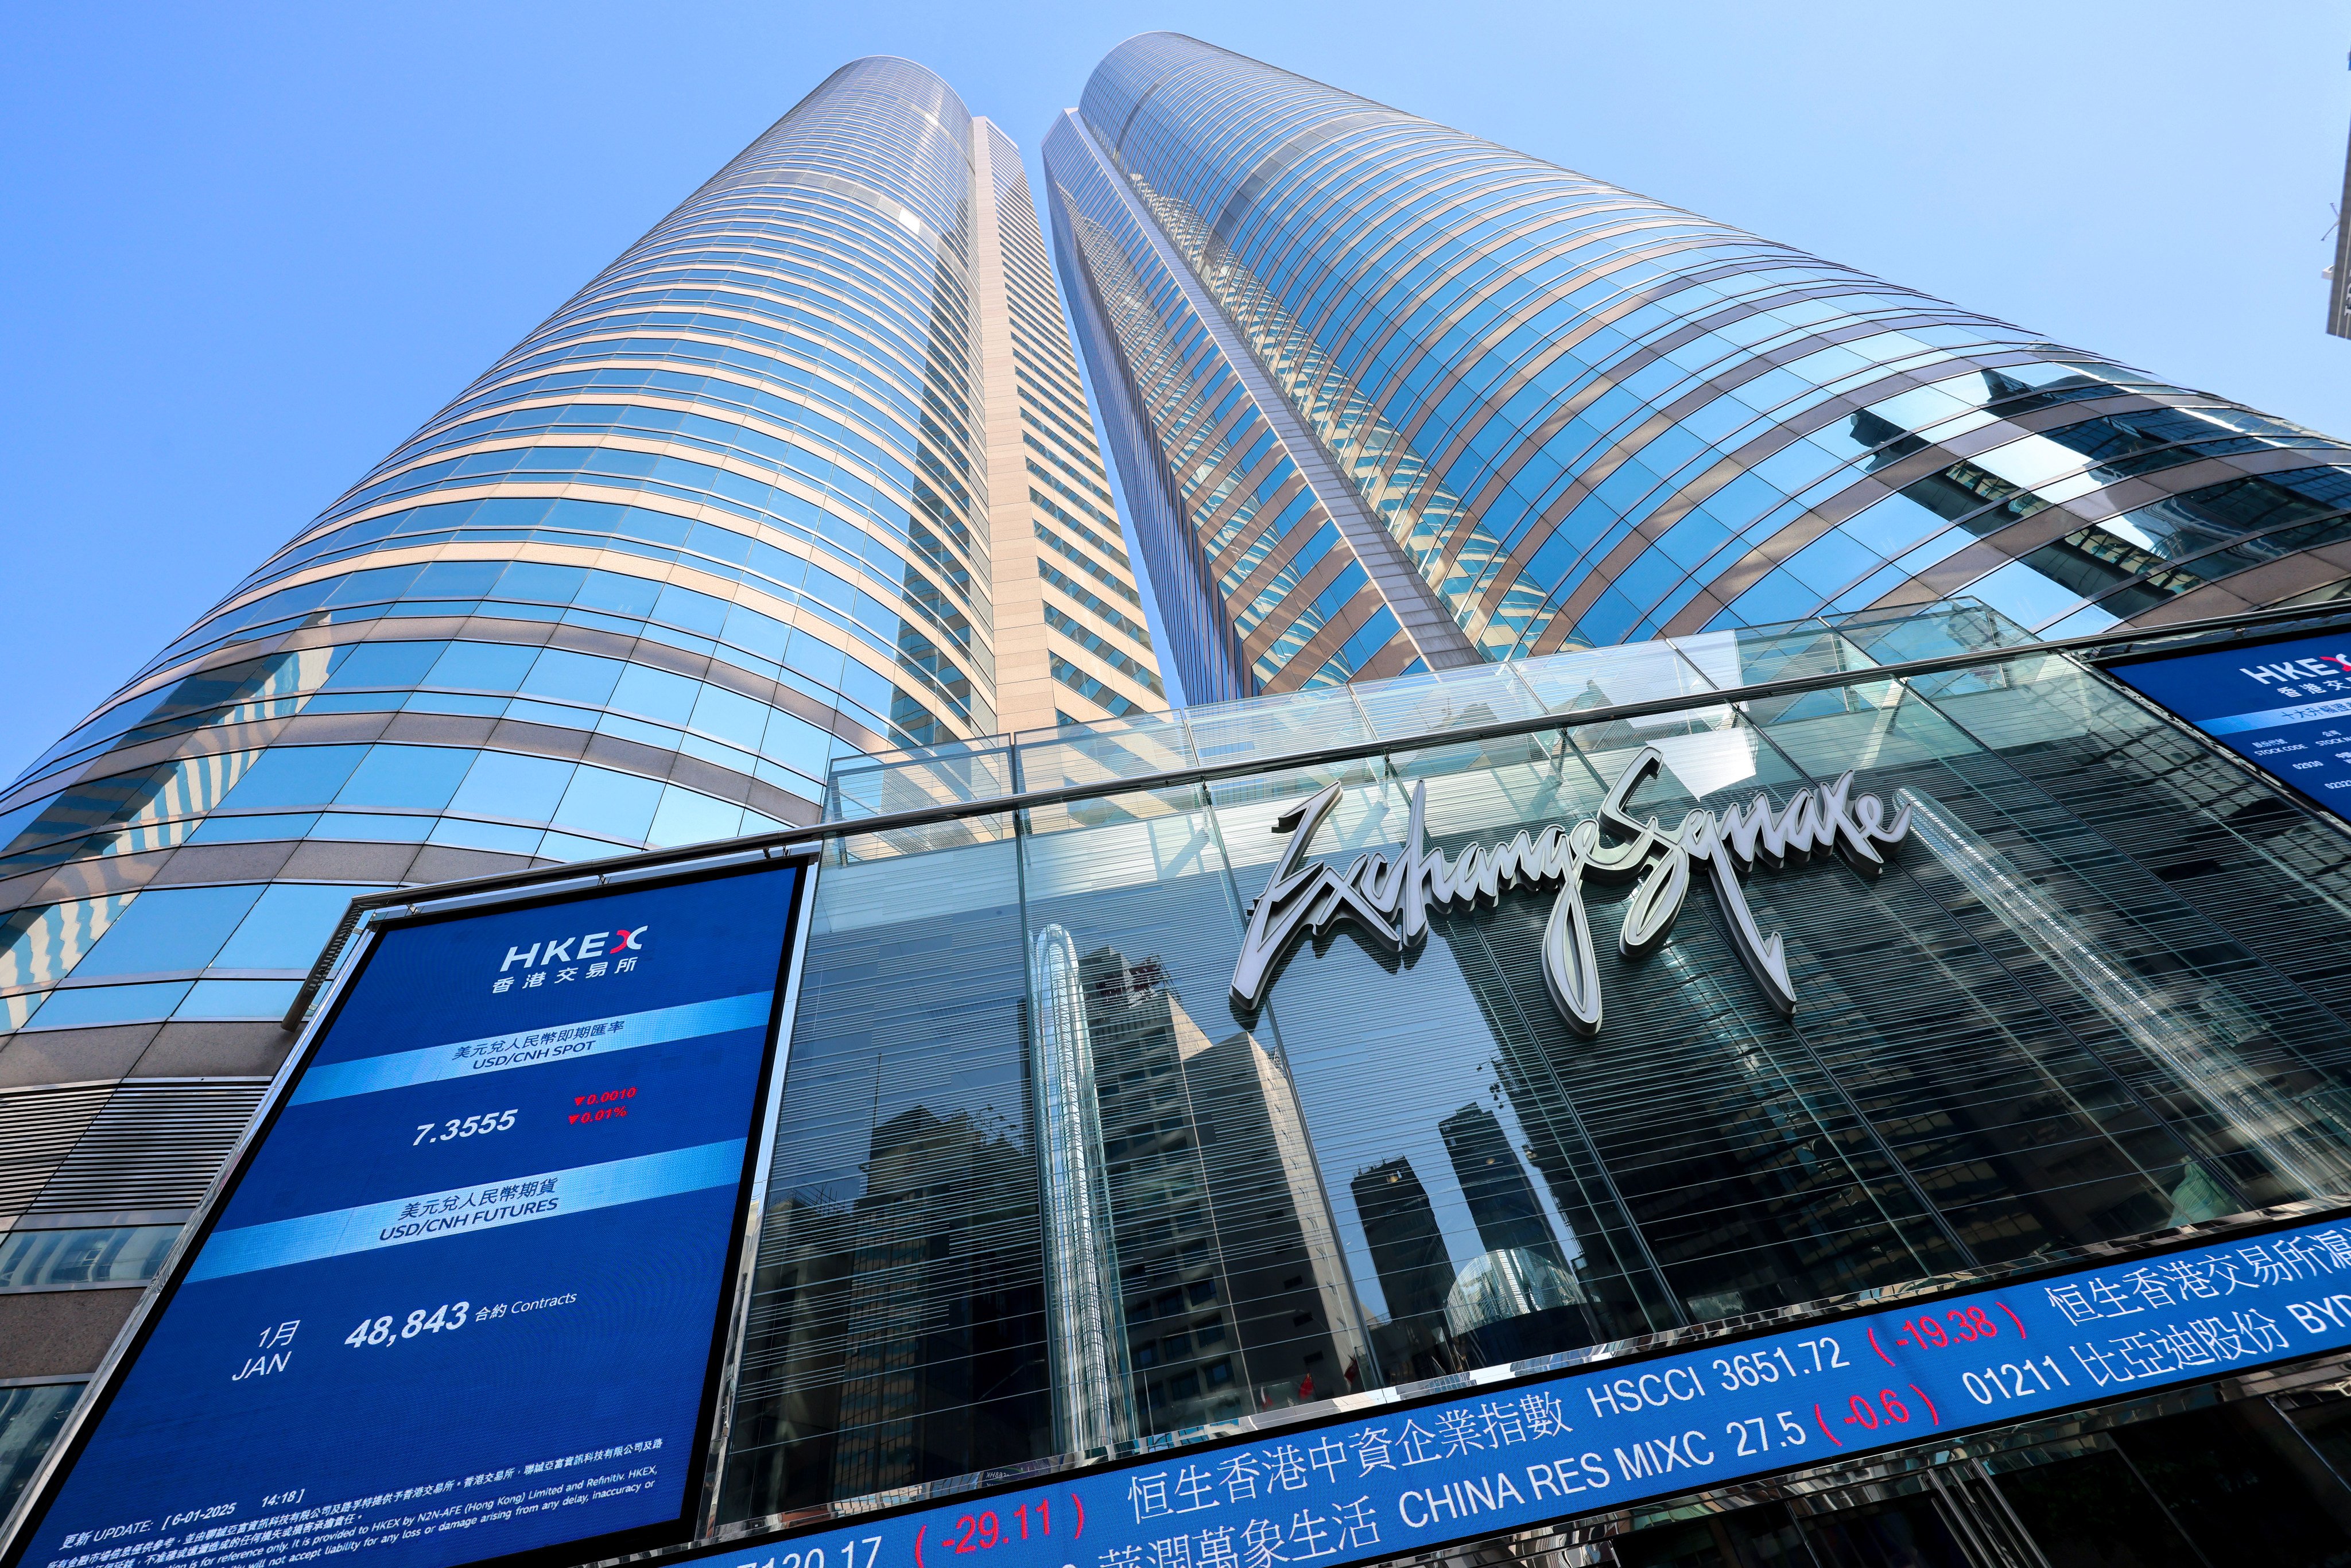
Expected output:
(1389, 894)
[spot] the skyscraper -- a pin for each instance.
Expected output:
(1387, 396)
(806, 473)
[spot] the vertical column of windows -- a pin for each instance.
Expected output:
(1099, 655)
(1303, 608)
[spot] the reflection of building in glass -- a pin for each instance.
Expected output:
(878, 1356)
(1415, 1273)
(1513, 1300)
(1502, 1200)
(1081, 1294)
(1235, 1301)
(1388, 397)
(1503, 1295)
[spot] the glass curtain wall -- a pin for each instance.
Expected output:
(2094, 994)
(1586, 416)
(712, 524)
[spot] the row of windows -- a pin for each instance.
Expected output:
(619, 601)
(843, 225)
(110, 1255)
(1100, 647)
(730, 492)
(628, 468)
(725, 437)
(715, 391)
(171, 930)
(2142, 557)
(824, 305)
(660, 536)
(853, 232)
(1092, 688)
(743, 243)
(2053, 463)
(882, 146)
(386, 792)
(1110, 580)
(1100, 514)
(702, 324)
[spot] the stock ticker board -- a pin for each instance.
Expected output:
(465, 1296)
(2284, 706)
(1409, 1478)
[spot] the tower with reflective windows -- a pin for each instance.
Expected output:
(807, 472)
(1386, 396)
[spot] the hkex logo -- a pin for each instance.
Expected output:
(2331, 667)
(594, 946)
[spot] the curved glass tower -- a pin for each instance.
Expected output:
(806, 473)
(1386, 394)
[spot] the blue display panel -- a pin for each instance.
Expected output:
(1407, 1478)
(2283, 707)
(465, 1297)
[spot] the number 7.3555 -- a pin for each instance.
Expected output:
(490, 1122)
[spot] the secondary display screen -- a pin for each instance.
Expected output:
(466, 1295)
(2283, 707)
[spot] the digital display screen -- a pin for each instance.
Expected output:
(2283, 707)
(466, 1295)
(1404, 1479)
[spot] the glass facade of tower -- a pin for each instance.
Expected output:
(1586, 417)
(1048, 1183)
(719, 521)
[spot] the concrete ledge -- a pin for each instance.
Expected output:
(73, 1055)
(51, 1334)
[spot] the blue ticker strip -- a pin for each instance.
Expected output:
(531, 1047)
(1382, 1481)
(435, 1215)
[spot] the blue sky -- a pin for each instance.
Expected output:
(245, 250)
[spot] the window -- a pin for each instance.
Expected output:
(688, 817)
(287, 925)
(609, 805)
(294, 775)
(170, 929)
(501, 784)
(41, 945)
(30, 1417)
(415, 775)
(115, 1254)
